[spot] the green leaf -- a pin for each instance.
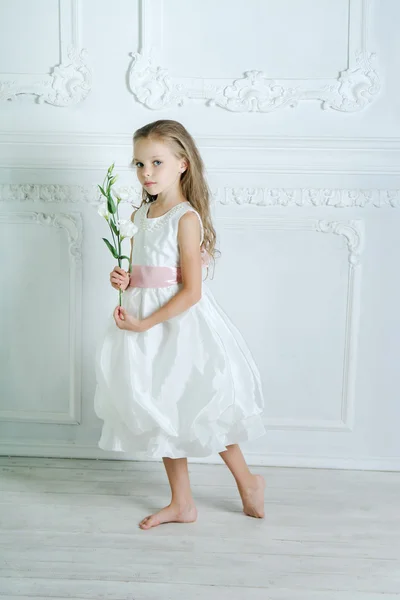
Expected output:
(121, 257)
(114, 227)
(111, 204)
(111, 248)
(102, 191)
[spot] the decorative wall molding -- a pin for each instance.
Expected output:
(54, 193)
(355, 87)
(353, 232)
(214, 142)
(68, 83)
(312, 197)
(72, 152)
(71, 223)
(255, 196)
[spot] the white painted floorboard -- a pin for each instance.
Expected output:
(69, 530)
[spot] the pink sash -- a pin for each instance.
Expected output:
(150, 276)
(154, 277)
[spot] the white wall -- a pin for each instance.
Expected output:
(304, 164)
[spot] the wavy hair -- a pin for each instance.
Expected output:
(193, 183)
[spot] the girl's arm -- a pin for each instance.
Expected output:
(189, 237)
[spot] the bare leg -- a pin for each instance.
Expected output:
(251, 487)
(182, 508)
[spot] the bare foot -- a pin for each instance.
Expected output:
(172, 513)
(253, 497)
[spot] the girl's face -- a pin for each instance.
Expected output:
(157, 168)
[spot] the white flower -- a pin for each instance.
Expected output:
(103, 210)
(126, 228)
(124, 193)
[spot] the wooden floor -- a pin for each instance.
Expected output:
(68, 529)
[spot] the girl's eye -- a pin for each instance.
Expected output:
(140, 165)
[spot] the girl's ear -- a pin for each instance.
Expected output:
(184, 166)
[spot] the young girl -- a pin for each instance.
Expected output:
(175, 378)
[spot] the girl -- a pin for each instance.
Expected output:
(174, 376)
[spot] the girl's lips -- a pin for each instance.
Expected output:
(150, 183)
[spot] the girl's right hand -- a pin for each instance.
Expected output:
(119, 278)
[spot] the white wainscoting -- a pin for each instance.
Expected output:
(294, 107)
(69, 81)
(357, 84)
(41, 330)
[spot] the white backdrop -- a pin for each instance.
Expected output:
(295, 107)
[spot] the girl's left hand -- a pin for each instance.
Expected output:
(125, 321)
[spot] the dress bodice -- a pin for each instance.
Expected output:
(156, 241)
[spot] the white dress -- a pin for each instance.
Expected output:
(187, 387)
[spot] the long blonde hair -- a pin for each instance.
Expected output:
(193, 183)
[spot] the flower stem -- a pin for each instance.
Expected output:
(117, 245)
(112, 233)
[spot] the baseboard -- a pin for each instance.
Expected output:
(65, 450)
